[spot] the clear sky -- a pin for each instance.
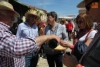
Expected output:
(61, 7)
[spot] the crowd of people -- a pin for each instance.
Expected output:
(16, 47)
(20, 44)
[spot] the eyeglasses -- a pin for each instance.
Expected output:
(79, 22)
(92, 4)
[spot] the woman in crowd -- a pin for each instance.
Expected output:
(53, 56)
(63, 22)
(84, 36)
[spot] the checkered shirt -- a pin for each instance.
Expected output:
(11, 46)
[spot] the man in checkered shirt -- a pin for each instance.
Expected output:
(10, 45)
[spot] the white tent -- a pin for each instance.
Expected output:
(66, 17)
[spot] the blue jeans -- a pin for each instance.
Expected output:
(31, 60)
(55, 59)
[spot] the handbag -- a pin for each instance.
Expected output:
(80, 47)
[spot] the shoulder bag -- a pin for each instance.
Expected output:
(80, 47)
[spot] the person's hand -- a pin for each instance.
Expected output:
(72, 35)
(69, 60)
(65, 43)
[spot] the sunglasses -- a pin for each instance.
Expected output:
(92, 4)
(79, 22)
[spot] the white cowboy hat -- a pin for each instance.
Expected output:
(32, 12)
(7, 6)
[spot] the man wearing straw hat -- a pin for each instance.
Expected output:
(28, 29)
(12, 46)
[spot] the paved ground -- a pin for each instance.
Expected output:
(43, 62)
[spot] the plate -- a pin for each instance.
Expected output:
(59, 47)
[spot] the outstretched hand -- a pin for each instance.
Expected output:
(69, 60)
(63, 43)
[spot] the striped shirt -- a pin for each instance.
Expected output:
(12, 46)
(24, 31)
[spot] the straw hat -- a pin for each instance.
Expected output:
(7, 6)
(32, 12)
